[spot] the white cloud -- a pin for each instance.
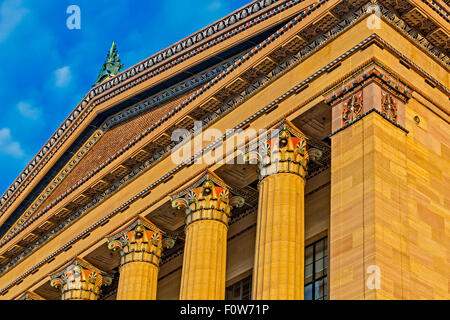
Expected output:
(215, 5)
(63, 76)
(11, 14)
(9, 146)
(28, 111)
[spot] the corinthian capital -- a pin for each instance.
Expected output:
(140, 241)
(284, 151)
(80, 281)
(207, 198)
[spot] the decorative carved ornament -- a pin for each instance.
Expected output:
(141, 241)
(389, 106)
(303, 54)
(352, 108)
(80, 281)
(35, 166)
(208, 198)
(285, 152)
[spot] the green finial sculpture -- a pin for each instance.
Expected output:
(112, 65)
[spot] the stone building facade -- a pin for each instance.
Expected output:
(348, 200)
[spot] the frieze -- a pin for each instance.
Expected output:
(352, 108)
(157, 156)
(124, 205)
(233, 102)
(363, 116)
(389, 106)
(415, 36)
(378, 74)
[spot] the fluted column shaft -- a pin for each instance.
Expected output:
(208, 204)
(279, 259)
(203, 275)
(138, 281)
(279, 254)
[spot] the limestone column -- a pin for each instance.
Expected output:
(80, 281)
(140, 244)
(279, 254)
(208, 203)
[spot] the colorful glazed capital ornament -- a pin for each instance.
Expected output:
(141, 241)
(208, 198)
(285, 151)
(80, 281)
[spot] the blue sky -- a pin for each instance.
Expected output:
(45, 68)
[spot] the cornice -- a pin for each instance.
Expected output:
(207, 175)
(266, 80)
(161, 122)
(374, 74)
(440, 10)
